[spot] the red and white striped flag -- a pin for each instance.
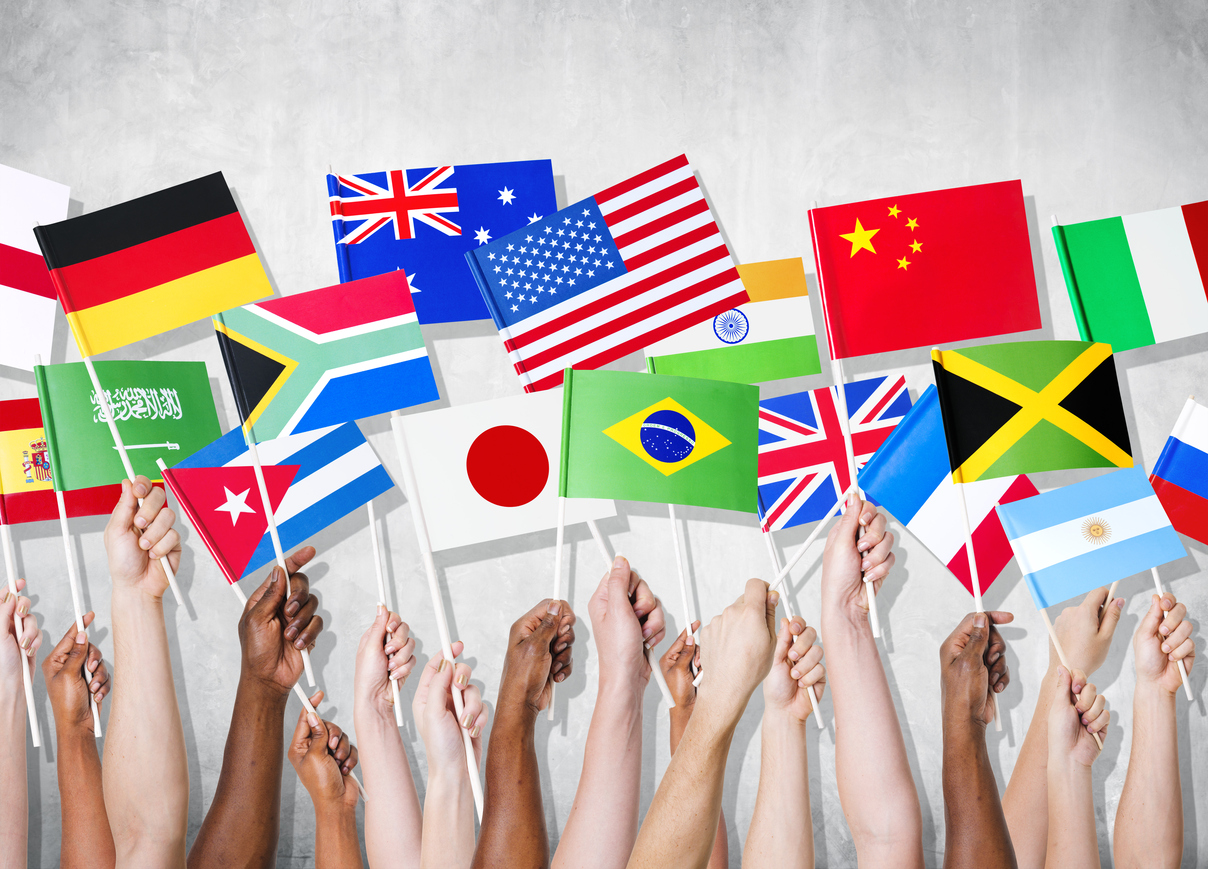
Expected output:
(606, 276)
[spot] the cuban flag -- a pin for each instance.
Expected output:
(1076, 538)
(802, 456)
(337, 472)
(1180, 477)
(423, 221)
(910, 476)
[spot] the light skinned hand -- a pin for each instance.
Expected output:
(796, 664)
(1076, 713)
(324, 759)
(14, 655)
(973, 667)
(736, 650)
(624, 614)
(75, 674)
(272, 641)
(849, 559)
(1160, 643)
(137, 537)
(539, 654)
(1086, 631)
(436, 718)
(676, 664)
(379, 662)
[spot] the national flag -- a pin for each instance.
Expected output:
(923, 269)
(607, 276)
(489, 470)
(1139, 279)
(27, 483)
(1180, 477)
(1031, 406)
(910, 477)
(225, 508)
(134, 270)
(802, 455)
(423, 221)
(27, 295)
(653, 437)
(1077, 538)
(162, 410)
(770, 337)
(326, 356)
(337, 473)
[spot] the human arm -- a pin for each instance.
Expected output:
(1149, 818)
(603, 821)
(324, 759)
(1074, 718)
(973, 668)
(243, 823)
(145, 774)
(781, 835)
(677, 669)
(14, 805)
(736, 653)
(876, 788)
(393, 824)
(512, 833)
(75, 674)
(1086, 632)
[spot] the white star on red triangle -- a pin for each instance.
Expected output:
(235, 504)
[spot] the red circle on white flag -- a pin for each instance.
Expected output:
(507, 465)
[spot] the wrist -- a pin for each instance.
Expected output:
(259, 690)
(1150, 693)
(136, 595)
(372, 714)
(620, 693)
(781, 722)
(334, 811)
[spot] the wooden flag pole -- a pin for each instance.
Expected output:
(73, 580)
(977, 597)
(809, 541)
(1048, 623)
(378, 556)
(655, 670)
(788, 608)
(442, 621)
(272, 532)
(103, 401)
(558, 542)
(10, 564)
(1157, 584)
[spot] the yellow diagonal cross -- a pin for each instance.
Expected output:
(1034, 406)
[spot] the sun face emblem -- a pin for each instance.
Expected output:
(1096, 531)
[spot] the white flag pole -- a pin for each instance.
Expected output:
(10, 564)
(689, 610)
(1157, 584)
(788, 608)
(442, 621)
(73, 580)
(783, 573)
(558, 543)
(1048, 623)
(977, 597)
(378, 556)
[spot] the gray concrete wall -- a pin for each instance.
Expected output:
(1099, 107)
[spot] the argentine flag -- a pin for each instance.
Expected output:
(1080, 537)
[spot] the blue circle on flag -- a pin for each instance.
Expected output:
(668, 436)
(731, 326)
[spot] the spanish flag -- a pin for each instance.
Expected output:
(134, 270)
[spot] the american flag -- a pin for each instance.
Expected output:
(607, 276)
(368, 206)
(802, 457)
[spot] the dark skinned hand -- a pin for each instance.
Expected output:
(275, 628)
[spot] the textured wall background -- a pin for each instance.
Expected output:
(1101, 108)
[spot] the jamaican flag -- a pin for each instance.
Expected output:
(1031, 406)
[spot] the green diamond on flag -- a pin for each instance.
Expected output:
(162, 410)
(654, 437)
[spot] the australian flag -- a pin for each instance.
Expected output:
(424, 221)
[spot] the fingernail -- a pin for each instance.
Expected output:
(5, 598)
(559, 677)
(793, 672)
(467, 720)
(865, 564)
(1166, 647)
(691, 641)
(291, 632)
(393, 626)
(381, 608)
(475, 731)
(140, 522)
(443, 664)
(140, 490)
(646, 632)
(554, 607)
(774, 598)
(92, 665)
(994, 656)
(558, 648)
(292, 607)
(794, 655)
(394, 676)
(26, 643)
(646, 646)
(979, 621)
(1084, 720)
(462, 679)
(299, 644)
(1163, 630)
(144, 543)
(563, 629)
(334, 742)
(81, 639)
(22, 609)
(618, 563)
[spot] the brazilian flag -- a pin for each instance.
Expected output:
(1031, 406)
(652, 437)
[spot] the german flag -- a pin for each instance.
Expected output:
(134, 270)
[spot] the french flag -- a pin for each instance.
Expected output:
(910, 476)
(1181, 475)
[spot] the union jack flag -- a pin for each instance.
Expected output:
(370, 207)
(802, 457)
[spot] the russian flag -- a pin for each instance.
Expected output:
(1180, 477)
(911, 477)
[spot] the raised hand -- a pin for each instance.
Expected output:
(324, 759)
(850, 560)
(1086, 631)
(1076, 712)
(538, 655)
(75, 674)
(275, 628)
(1162, 640)
(624, 614)
(973, 667)
(736, 649)
(137, 537)
(677, 670)
(13, 654)
(379, 662)
(796, 665)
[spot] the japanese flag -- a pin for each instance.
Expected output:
(490, 470)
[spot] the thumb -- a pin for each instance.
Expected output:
(78, 652)
(1153, 618)
(1063, 694)
(550, 619)
(1111, 616)
(304, 733)
(122, 517)
(784, 639)
(618, 583)
(849, 523)
(269, 596)
(979, 635)
(438, 691)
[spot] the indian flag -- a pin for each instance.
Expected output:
(770, 337)
(1139, 279)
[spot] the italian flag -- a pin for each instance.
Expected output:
(770, 337)
(1139, 279)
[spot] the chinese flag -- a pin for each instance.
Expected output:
(925, 269)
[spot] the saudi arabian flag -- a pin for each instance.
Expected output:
(162, 409)
(653, 437)
(1139, 279)
(770, 337)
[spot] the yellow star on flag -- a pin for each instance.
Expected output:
(860, 238)
(916, 246)
(894, 211)
(912, 223)
(903, 262)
